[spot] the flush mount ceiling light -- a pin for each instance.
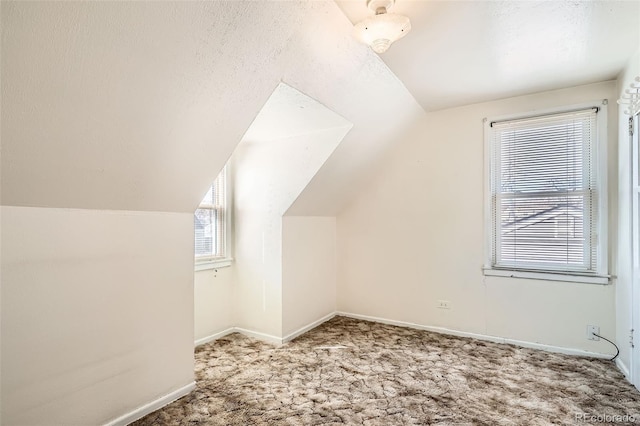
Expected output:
(382, 29)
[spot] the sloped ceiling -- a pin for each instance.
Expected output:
(463, 52)
(289, 113)
(287, 143)
(270, 175)
(138, 105)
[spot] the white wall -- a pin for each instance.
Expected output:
(268, 177)
(415, 236)
(213, 302)
(623, 285)
(308, 270)
(97, 312)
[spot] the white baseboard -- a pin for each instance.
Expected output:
(558, 349)
(307, 327)
(623, 368)
(214, 336)
(496, 339)
(442, 330)
(140, 412)
(264, 336)
(258, 335)
(249, 333)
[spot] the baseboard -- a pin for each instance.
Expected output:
(623, 368)
(267, 337)
(258, 335)
(214, 336)
(442, 330)
(495, 339)
(307, 327)
(140, 412)
(557, 349)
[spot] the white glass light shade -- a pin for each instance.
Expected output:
(379, 31)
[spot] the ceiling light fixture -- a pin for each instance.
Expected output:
(382, 29)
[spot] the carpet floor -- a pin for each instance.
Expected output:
(356, 372)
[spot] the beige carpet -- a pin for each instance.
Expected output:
(361, 373)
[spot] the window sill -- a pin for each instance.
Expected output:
(203, 265)
(547, 276)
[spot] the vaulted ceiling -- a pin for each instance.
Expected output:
(463, 52)
(138, 105)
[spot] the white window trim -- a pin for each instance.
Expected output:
(204, 263)
(601, 277)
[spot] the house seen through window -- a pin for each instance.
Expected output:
(210, 222)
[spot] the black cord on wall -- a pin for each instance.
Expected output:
(616, 346)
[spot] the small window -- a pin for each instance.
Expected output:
(547, 196)
(211, 223)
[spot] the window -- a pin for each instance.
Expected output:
(547, 204)
(211, 224)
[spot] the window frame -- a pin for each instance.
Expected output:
(599, 155)
(202, 263)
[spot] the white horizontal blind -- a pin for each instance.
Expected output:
(543, 206)
(210, 221)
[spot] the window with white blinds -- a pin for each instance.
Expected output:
(545, 193)
(210, 222)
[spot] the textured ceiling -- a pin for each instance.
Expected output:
(463, 52)
(138, 105)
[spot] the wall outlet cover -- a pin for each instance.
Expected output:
(444, 304)
(592, 330)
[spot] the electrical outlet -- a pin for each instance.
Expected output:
(592, 330)
(444, 304)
